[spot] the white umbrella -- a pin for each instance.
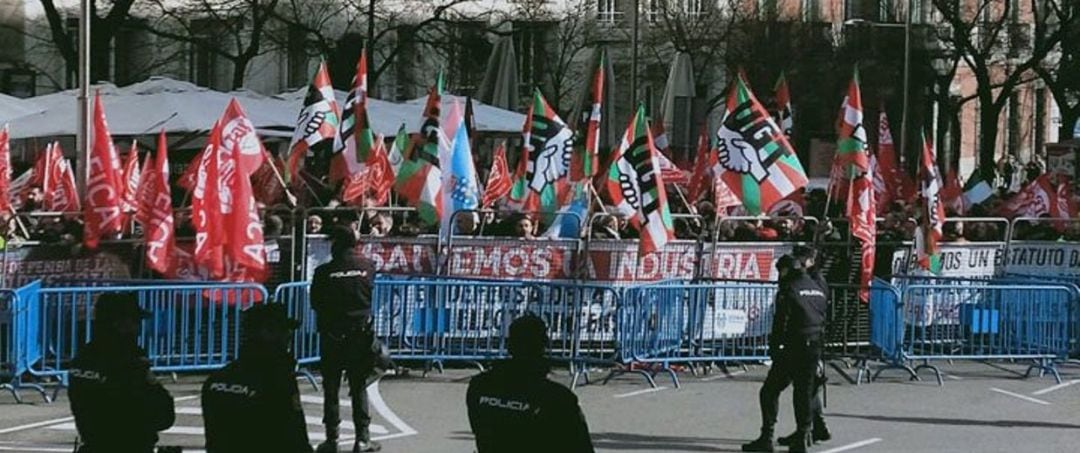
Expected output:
(488, 118)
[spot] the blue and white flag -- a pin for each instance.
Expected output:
(570, 221)
(460, 189)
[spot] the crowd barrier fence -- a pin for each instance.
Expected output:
(972, 320)
(18, 319)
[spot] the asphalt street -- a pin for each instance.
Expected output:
(982, 407)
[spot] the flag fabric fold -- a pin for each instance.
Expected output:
(105, 187)
(206, 207)
(460, 188)
(862, 216)
(356, 140)
(636, 188)
(155, 212)
(54, 175)
(238, 131)
(952, 193)
(419, 178)
(784, 113)
(851, 159)
(932, 218)
(132, 179)
(583, 165)
(704, 161)
(498, 182)
(317, 124)
(245, 247)
(754, 158)
(5, 172)
(541, 179)
(976, 189)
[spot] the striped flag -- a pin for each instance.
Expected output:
(585, 161)
(397, 150)
(419, 178)
(932, 217)
(317, 124)
(754, 158)
(132, 175)
(356, 140)
(851, 158)
(784, 113)
(636, 187)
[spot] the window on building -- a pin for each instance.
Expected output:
(606, 12)
(296, 57)
(653, 10)
(202, 61)
(71, 26)
(530, 47)
(131, 48)
(693, 7)
(469, 55)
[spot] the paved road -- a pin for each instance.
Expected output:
(981, 407)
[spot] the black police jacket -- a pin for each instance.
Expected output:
(341, 293)
(118, 405)
(253, 404)
(515, 408)
(801, 304)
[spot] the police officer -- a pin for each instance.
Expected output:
(795, 347)
(341, 297)
(253, 404)
(820, 431)
(514, 407)
(117, 404)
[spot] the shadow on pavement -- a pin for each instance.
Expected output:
(626, 441)
(958, 421)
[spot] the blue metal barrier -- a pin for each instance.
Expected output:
(191, 327)
(296, 297)
(19, 318)
(1074, 314)
(950, 321)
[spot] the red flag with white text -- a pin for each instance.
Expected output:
(498, 182)
(238, 130)
(102, 212)
(206, 203)
(131, 180)
(245, 247)
(156, 213)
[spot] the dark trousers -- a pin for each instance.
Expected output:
(796, 366)
(350, 355)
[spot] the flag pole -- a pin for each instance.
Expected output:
(693, 210)
(281, 180)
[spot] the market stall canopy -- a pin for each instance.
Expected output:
(488, 119)
(146, 107)
(12, 108)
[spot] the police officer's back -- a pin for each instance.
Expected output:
(117, 404)
(253, 404)
(514, 407)
(341, 296)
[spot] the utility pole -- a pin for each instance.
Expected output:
(82, 138)
(634, 59)
(907, 81)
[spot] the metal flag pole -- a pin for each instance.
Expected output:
(83, 136)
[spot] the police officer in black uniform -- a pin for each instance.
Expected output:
(253, 404)
(341, 297)
(515, 408)
(795, 347)
(117, 403)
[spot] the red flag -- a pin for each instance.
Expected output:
(104, 187)
(245, 249)
(5, 171)
(238, 130)
(862, 211)
(355, 187)
(498, 182)
(952, 193)
(156, 214)
(268, 187)
(1036, 199)
(932, 222)
(583, 164)
(381, 172)
(851, 159)
(190, 176)
(703, 164)
(131, 180)
(783, 105)
(206, 201)
(355, 140)
(793, 205)
(57, 181)
(20, 189)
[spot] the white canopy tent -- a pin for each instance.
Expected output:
(147, 107)
(12, 108)
(488, 119)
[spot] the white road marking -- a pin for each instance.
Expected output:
(640, 392)
(955, 378)
(1017, 395)
(1056, 387)
(376, 400)
(346, 425)
(723, 376)
(199, 431)
(15, 429)
(853, 446)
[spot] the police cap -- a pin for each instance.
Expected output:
(112, 307)
(803, 256)
(268, 316)
(342, 238)
(785, 263)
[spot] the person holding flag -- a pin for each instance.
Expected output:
(932, 213)
(636, 188)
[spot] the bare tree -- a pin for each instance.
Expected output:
(565, 41)
(987, 36)
(232, 29)
(102, 30)
(1063, 75)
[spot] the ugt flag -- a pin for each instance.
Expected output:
(932, 221)
(541, 180)
(754, 158)
(636, 188)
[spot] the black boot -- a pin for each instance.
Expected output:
(798, 442)
(786, 440)
(820, 433)
(763, 443)
(330, 444)
(362, 446)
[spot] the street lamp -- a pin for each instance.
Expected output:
(907, 68)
